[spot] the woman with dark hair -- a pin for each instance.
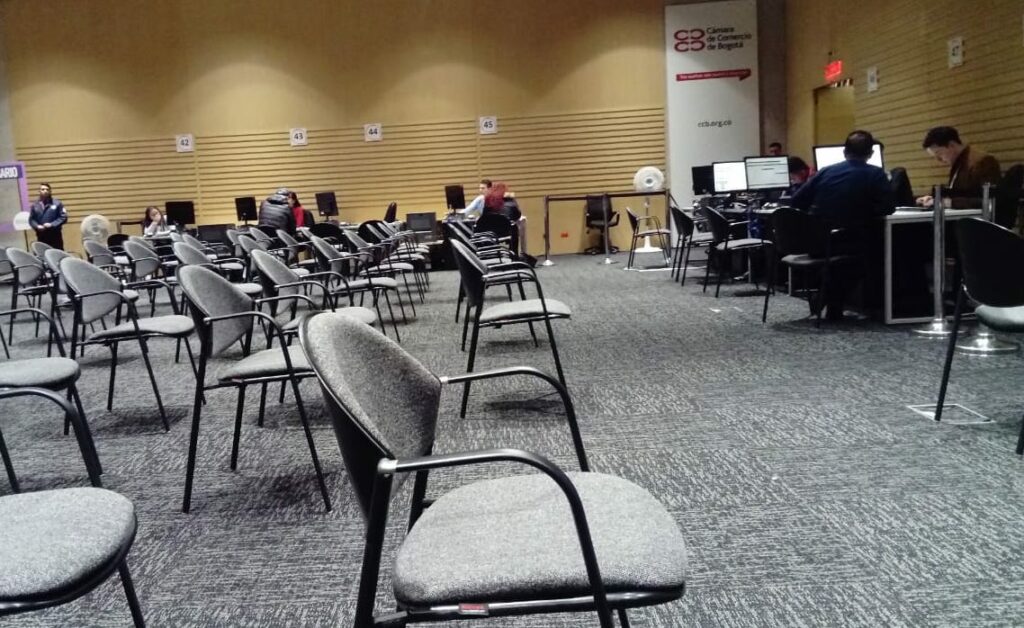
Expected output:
(297, 210)
(153, 222)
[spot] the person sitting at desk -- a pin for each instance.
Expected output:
(477, 205)
(799, 172)
(849, 194)
(970, 168)
(297, 210)
(276, 213)
(153, 222)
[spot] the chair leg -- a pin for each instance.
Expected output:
(623, 618)
(238, 427)
(465, 327)
(263, 403)
(770, 264)
(554, 352)
(472, 359)
(391, 312)
(312, 445)
(113, 374)
(152, 379)
(129, 592)
(720, 271)
(86, 436)
(3, 342)
(950, 350)
(190, 467)
(686, 261)
(707, 268)
(458, 303)
(8, 465)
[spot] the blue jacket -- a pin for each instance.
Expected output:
(849, 192)
(52, 212)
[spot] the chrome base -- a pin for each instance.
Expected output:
(547, 262)
(608, 261)
(647, 247)
(983, 342)
(937, 328)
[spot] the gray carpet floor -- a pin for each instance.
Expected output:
(808, 494)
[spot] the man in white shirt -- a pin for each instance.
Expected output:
(476, 207)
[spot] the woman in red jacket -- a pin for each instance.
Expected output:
(297, 210)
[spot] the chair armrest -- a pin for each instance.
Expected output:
(210, 320)
(286, 297)
(570, 408)
(156, 283)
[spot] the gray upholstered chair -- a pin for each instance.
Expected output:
(214, 251)
(334, 271)
(283, 284)
(145, 264)
(224, 315)
(40, 248)
(95, 294)
(475, 279)
(536, 543)
(59, 545)
(30, 282)
(295, 248)
(188, 255)
(105, 258)
(43, 377)
(385, 260)
(6, 268)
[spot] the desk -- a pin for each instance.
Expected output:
(895, 222)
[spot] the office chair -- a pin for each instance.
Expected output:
(524, 544)
(1008, 196)
(391, 213)
(599, 215)
(663, 235)
(723, 244)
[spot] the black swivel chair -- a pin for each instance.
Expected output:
(992, 264)
(1008, 196)
(600, 216)
(391, 213)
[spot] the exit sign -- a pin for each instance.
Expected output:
(833, 71)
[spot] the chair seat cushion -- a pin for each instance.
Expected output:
(122, 260)
(391, 267)
(361, 314)
(742, 243)
(807, 260)
(233, 267)
(513, 538)
(250, 289)
(171, 325)
(364, 284)
(53, 373)
(265, 363)
(301, 272)
(530, 308)
(53, 540)
(1008, 319)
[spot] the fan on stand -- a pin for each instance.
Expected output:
(648, 179)
(95, 227)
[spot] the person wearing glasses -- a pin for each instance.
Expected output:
(970, 168)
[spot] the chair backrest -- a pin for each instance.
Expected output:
(249, 244)
(325, 230)
(273, 273)
(116, 239)
(1008, 197)
(83, 278)
(6, 267)
(634, 220)
(287, 239)
(992, 260)
(684, 224)
(371, 232)
(143, 241)
(97, 253)
(382, 401)
(176, 237)
(30, 267)
(327, 257)
(598, 209)
(193, 241)
(391, 213)
(53, 257)
(471, 271)
(189, 255)
(232, 235)
(718, 224)
(209, 294)
(796, 232)
(40, 248)
(259, 235)
(495, 223)
(144, 260)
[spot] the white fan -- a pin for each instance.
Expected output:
(96, 227)
(648, 179)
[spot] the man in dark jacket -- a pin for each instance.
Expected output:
(970, 168)
(276, 213)
(47, 217)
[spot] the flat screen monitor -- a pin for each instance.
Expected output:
(730, 176)
(703, 179)
(767, 173)
(245, 208)
(833, 154)
(327, 203)
(180, 212)
(455, 196)
(421, 222)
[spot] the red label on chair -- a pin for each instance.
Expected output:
(474, 609)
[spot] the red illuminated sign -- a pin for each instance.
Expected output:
(833, 71)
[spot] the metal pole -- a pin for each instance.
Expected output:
(606, 209)
(547, 233)
(983, 341)
(938, 327)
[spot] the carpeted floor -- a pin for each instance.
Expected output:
(807, 493)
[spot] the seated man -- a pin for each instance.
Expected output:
(969, 168)
(850, 194)
(476, 206)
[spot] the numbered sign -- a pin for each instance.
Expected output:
(298, 137)
(185, 143)
(372, 132)
(488, 125)
(955, 50)
(873, 78)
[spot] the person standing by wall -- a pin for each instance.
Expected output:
(47, 217)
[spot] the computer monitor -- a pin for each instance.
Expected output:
(455, 196)
(422, 222)
(327, 203)
(767, 173)
(245, 208)
(180, 212)
(703, 179)
(826, 155)
(730, 176)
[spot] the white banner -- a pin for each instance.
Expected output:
(713, 106)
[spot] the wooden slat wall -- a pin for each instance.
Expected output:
(567, 153)
(906, 39)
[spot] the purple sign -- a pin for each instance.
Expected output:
(9, 171)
